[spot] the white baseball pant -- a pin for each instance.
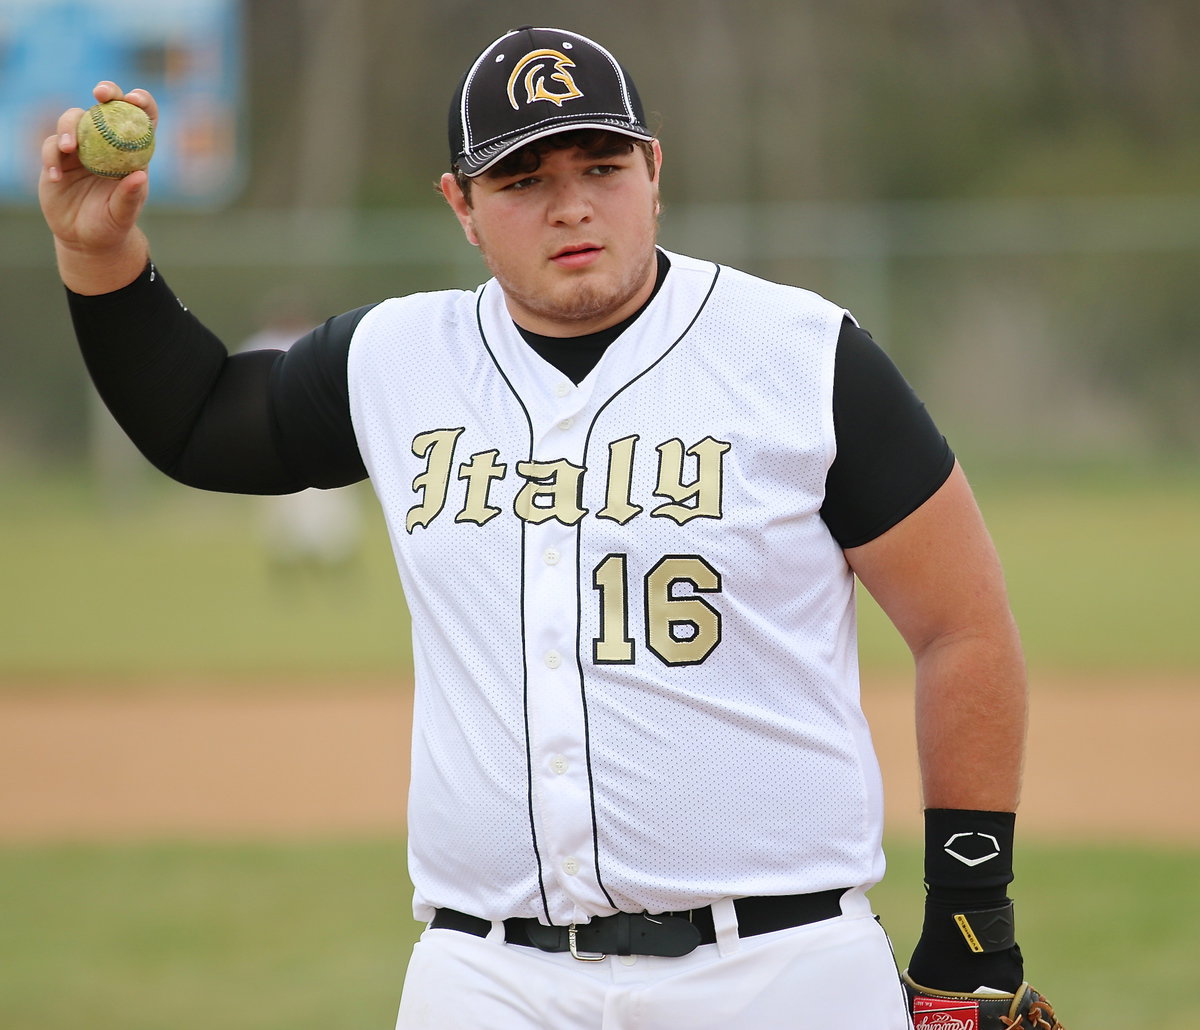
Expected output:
(836, 973)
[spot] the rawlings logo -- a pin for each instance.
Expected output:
(945, 1013)
(945, 1021)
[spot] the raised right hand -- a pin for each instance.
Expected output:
(94, 220)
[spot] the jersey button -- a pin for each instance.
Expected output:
(560, 764)
(566, 423)
(552, 556)
(562, 389)
(571, 866)
(553, 660)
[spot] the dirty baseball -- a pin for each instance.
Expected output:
(115, 138)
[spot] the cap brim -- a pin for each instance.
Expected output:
(485, 157)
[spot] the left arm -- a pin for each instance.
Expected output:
(937, 577)
(911, 531)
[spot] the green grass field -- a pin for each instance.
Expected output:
(172, 588)
(315, 936)
(173, 584)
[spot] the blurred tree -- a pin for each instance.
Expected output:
(855, 104)
(848, 100)
(335, 119)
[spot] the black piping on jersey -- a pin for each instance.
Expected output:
(587, 736)
(587, 443)
(537, 853)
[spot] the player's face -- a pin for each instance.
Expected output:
(571, 243)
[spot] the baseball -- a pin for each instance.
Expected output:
(114, 139)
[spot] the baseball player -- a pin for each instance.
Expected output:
(630, 493)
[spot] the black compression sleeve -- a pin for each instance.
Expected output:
(250, 423)
(891, 458)
(311, 399)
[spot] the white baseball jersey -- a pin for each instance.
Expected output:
(634, 637)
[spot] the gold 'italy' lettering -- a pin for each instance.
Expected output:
(617, 504)
(437, 448)
(479, 473)
(701, 498)
(552, 490)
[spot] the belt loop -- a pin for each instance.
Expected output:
(856, 903)
(725, 923)
(624, 933)
(496, 934)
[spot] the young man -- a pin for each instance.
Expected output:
(629, 493)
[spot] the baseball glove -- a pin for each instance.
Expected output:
(939, 1010)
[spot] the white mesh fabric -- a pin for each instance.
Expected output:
(545, 782)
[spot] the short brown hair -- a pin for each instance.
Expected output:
(597, 143)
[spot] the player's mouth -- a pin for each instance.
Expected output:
(577, 255)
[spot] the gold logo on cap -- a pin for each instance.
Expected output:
(532, 70)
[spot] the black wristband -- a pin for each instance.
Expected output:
(966, 849)
(968, 939)
(983, 931)
(964, 950)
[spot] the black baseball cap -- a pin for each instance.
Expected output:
(532, 83)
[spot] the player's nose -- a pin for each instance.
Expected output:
(569, 203)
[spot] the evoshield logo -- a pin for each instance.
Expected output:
(972, 849)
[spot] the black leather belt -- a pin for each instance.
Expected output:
(671, 934)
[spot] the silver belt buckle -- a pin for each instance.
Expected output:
(571, 940)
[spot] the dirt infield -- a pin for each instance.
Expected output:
(1109, 760)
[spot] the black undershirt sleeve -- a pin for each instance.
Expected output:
(891, 458)
(265, 422)
(311, 397)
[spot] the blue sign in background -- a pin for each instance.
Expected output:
(188, 53)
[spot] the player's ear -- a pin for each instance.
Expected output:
(459, 205)
(656, 175)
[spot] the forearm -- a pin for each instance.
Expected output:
(971, 715)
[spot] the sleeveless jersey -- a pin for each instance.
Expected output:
(634, 637)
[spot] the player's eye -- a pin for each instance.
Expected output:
(521, 184)
(603, 169)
